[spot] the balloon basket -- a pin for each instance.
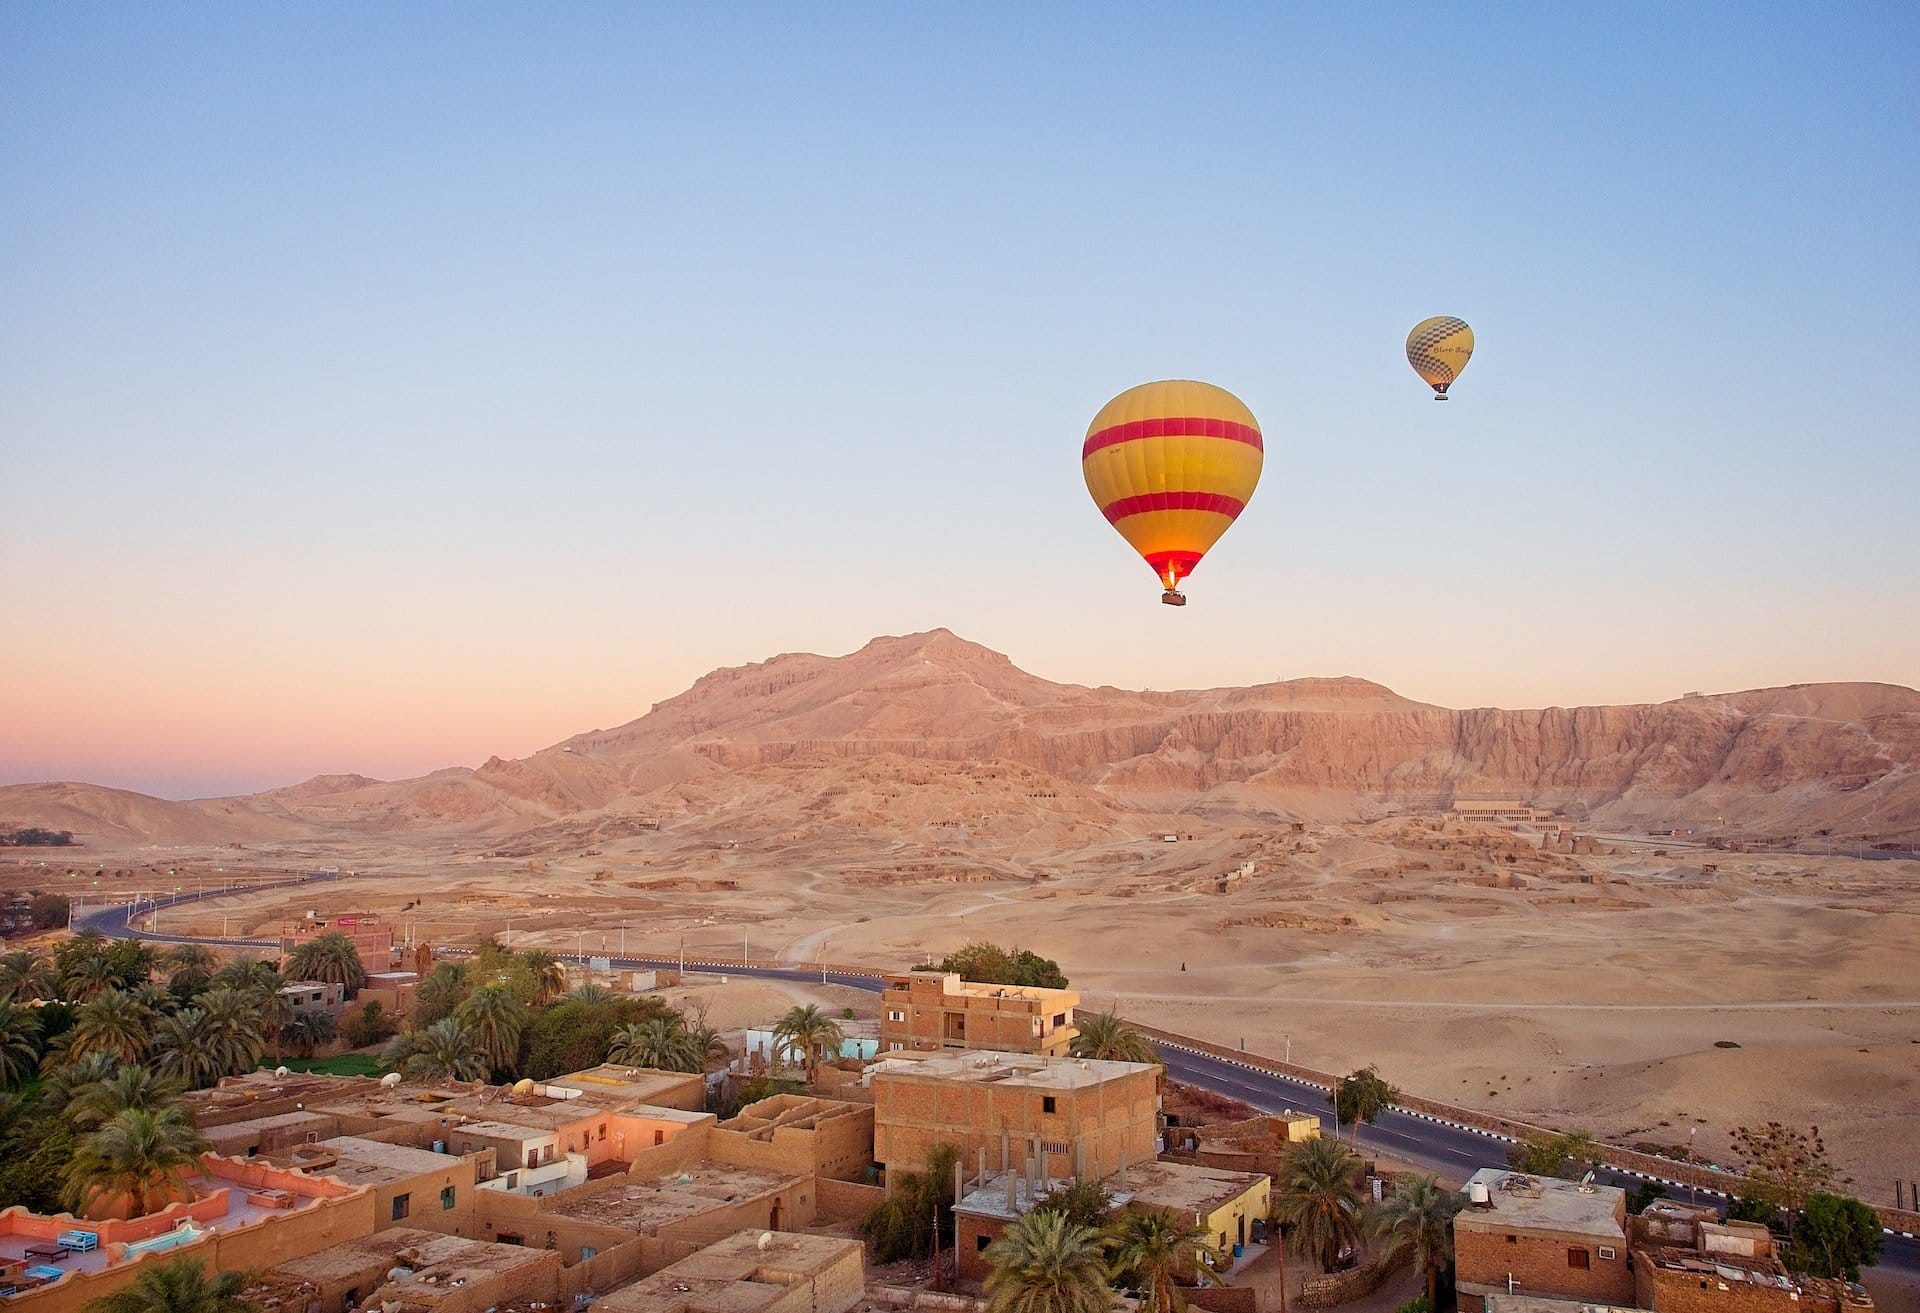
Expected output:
(1172, 598)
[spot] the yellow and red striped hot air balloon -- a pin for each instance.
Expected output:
(1170, 465)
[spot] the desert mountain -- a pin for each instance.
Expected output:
(907, 731)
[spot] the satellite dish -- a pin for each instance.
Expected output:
(391, 1079)
(766, 1240)
(282, 1071)
(523, 1086)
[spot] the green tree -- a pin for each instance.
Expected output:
(35, 1147)
(1417, 1218)
(588, 992)
(176, 1285)
(1318, 1197)
(444, 1051)
(114, 1022)
(1784, 1165)
(1568, 1155)
(1106, 1037)
(236, 1030)
(86, 977)
(26, 973)
(1834, 1236)
(254, 975)
(808, 1034)
(496, 1017)
(140, 1156)
(1085, 1200)
(1046, 1263)
(19, 1044)
(548, 974)
(1153, 1247)
(310, 1029)
(66, 1078)
(903, 1225)
(661, 1043)
(991, 964)
(368, 1025)
(189, 967)
(1362, 1097)
(329, 958)
(138, 1089)
(443, 989)
(183, 1049)
(49, 911)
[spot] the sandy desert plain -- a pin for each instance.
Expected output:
(1588, 991)
(892, 804)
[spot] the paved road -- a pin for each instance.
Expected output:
(1453, 1151)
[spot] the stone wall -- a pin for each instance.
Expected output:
(1327, 1289)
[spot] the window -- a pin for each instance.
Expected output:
(446, 1198)
(980, 1243)
(1607, 1251)
(896, 1016)
(509, 1238)
(1578, 1258)
(603, 1131)
(1513, 1239)
(402, 1205)
(893, 1046)
(1047, 1103)
(586, 1252)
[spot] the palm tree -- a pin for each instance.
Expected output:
(189, 964)
(89, 976)
(329, 958)
(1154, 1246)
(497, 1019)
(26, 974)
(176, 1285)
(1319, 1197)
(19, 1053)
(113, 1022)
(234, 1024)
(662, 1043)
(140, 1156)
(444, 1051)
(1047, 1263)
(588, 993)
(708, 1044)
(809, 1034)
(1418, 1216)
(250, 973)
(309, 1029)
(184, 1047)
(1105, 1036)
(445, 988)
(92, 1106)
(1360, 1098)
(549, 976)
(66, 1080)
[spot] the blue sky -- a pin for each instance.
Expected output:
(384, 386)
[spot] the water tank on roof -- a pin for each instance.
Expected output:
(1477, 1193)
(523, 1086)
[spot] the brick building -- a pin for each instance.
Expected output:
(750, 1273)
(1535, 1235)
(1686, 1260)
(928, 1011)
(372, 938)
(1073, 1115)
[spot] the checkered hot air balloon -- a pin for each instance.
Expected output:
(1170, 465)
(1438, 349)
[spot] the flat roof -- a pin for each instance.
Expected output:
(1188, 1187)
(990, 1200)
(1542, 1203)
(1501, 1302)
(370, 1162)
(252, 1124)
(426, 1252)
(734, 1275)
(644, 1204)
(637, 1083)
(986, 1067)
(503, 1131)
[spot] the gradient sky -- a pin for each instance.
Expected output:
(382, 387)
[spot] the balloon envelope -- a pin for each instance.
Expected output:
(1438, 349)
(1170, 465)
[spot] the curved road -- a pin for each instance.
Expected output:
(1455, 1151)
